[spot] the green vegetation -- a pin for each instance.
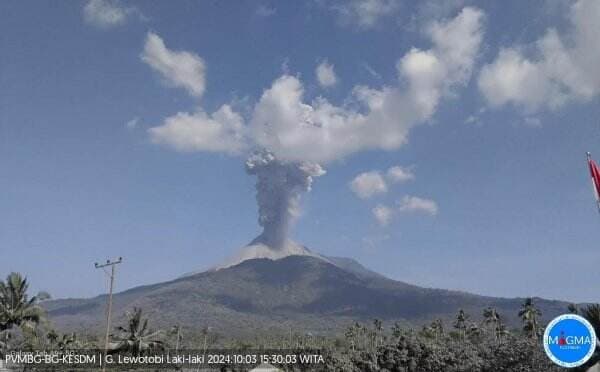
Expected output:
(16, 308)
(136, 337)
(465, 344)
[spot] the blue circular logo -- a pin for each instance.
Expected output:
(569, 340)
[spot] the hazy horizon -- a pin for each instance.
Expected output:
(453, 138)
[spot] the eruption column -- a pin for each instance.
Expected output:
(278, 188)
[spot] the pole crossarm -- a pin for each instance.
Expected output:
(108, 263)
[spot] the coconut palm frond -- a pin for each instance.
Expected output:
(136, 336)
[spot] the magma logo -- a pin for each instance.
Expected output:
(569, 340)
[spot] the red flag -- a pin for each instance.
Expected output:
(595, 173)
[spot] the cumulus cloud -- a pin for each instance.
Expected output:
(294, 129)
(371, 71)
(105, 13)
(416, 204)
(132, 124)
(364, 13)
(178, 68)
(532, 122)
(265, 11)
(382, 214)
(222, 131)
(321, 131)
(400, 174)
(429, 9)
(368, 184)
(560, 69)
(326, 75)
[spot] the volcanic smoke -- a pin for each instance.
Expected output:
(279, 186)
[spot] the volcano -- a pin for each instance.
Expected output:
(261, 248)
(308, 293)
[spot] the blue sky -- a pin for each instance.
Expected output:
(490, 133)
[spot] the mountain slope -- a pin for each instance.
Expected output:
(300, 292)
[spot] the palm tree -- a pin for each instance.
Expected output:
(434, 330)
(530, 315)
(461, 322)
(573, 308)
(592, 314)
(438, 328)
(52, 336)
(176, 331)
(351, 336)
(473, 330)
(16, 308)
(64, 342)
(67, 341)
(492, 318)
(136, 337)
(4, 339)
(378, 327)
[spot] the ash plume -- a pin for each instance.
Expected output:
(279, 186)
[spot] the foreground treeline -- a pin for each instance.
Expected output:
(463, 344)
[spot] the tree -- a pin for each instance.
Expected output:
(530, 315)
(435, 329)
(351, 336)
(573, 309)
(4, 340)
(592, 314)
(492, 320)
(64, 342)
(176, 332)
(461, 322)
(16, 308)
(52, 336)
(397, 330)
(136, 337)
(378, 327)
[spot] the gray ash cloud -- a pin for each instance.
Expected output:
(279, 187)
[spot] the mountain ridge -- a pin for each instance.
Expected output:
(299, 292)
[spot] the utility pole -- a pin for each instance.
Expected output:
(112, 265)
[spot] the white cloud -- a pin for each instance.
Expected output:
(105, 13)
(371, 71)
(321, 131)
(400, 174)
(532, 122)
(265, 11)
(179, 68)
(132, 124)
(223, 131)
(472, 119)
(415, 204)
(429, 9)
(561, 69)
(365, 13)
(325, 74)
(476, 118)
(367, 184)
(382, 214)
